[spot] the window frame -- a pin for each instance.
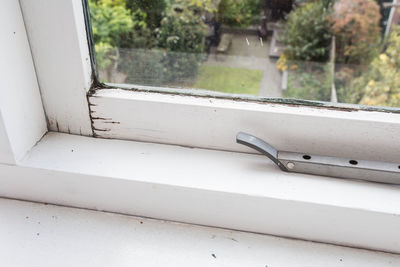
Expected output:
(45, 170)
(62, 62)
(22, 118)
(213, 124)
(79, 104)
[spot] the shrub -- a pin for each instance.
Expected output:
(153, 9)
(357, 31)
(307, 34)
(140, 36)
(142, 66)
(206, 5)
(181, 31)
(175, 54)
(239, 12)
(182, 35)
(380, 83)
(110, 22)
(104, 54)
(309, 81)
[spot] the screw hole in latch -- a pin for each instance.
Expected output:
(353, 162)
(307, 157)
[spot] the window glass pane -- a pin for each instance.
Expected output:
(345, 51)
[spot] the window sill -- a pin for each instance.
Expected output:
(222, 189)
(133, 241)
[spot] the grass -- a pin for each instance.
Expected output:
(229, 80)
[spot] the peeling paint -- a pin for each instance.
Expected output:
(103, 119)
(252, 99)
(101, 130)
(93, 119)
(90, 115)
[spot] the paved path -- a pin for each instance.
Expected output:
(251, 54)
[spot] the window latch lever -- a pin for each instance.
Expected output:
(261, 146)
(376, 171)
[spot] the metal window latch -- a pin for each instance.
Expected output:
(383, 172)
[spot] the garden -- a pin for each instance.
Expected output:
(166, 42)
(340, 45)
(333, 50)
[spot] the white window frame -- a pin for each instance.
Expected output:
(194, 121)
(103, 175)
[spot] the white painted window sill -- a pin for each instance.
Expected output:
(45, 235)
(48, 235)
(223, 189)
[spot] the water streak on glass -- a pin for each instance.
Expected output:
(345, 51)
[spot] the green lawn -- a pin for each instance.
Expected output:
(229, 80)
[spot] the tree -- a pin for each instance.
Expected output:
(380, 84)
(239, 12)
(111, 23)
(141, 35)
(152, 8)
(182, 36)
(181, 31)
(357, 31)
(307, 33)
(206, 5)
